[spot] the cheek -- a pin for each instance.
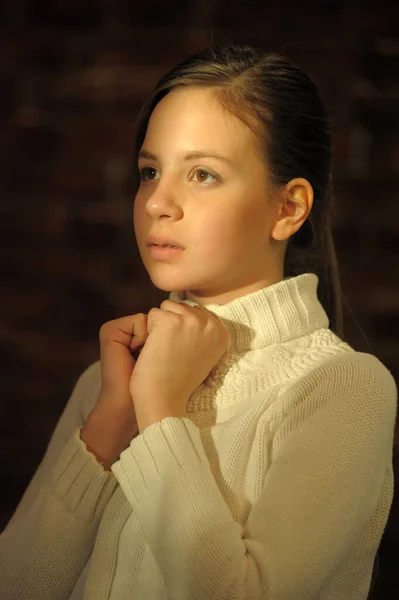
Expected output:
(239, 220)
(253, 221)
(222, 232)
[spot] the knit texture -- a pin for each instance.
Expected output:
(277, 485)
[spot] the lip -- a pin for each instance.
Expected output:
(163, 241)
(165, 253)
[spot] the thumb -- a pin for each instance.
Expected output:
(140, 334)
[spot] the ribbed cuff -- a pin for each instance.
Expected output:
(167, 479)
(172, 446)
(80, 481)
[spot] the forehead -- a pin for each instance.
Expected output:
(193, 117)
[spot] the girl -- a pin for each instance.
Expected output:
(247, 451)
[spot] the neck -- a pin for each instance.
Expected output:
(275, 314)
(230, 292)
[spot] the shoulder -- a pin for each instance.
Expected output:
(353, 369)
(349, 399)
(349, 381)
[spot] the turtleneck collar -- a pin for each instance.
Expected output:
(275, 314)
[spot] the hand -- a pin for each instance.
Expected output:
(119, 340)
(112, 424)
(183, 345)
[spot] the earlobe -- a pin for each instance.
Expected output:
(282, 229)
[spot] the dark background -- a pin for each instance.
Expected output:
(73, 75)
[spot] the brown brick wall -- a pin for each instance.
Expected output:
(72, 77)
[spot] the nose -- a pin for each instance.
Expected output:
(163, 203)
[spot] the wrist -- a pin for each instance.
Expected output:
(101, 448)
(105, 461)
(106, 436)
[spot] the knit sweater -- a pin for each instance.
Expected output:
(276, 486)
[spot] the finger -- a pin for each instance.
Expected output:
(181, 308)
(139, 331)
(136, 353)
(175, 307)
(125, 330)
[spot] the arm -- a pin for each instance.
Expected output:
(46, 544)
(340, 426)
(81, 401)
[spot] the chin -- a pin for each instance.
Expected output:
(168, 283)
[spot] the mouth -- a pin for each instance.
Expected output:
(164, 246)
(163, 241)
(165, 252)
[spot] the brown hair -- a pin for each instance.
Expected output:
(291, 122)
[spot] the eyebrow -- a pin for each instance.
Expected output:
(192, 155)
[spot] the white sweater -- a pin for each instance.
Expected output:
(277, 486)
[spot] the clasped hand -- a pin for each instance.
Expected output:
(184, 343)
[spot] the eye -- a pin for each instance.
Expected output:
(145, 173)
(206, 174)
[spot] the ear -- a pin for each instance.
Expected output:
(294, 205)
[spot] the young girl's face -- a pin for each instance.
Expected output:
(219, 210)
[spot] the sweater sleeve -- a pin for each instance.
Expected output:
(82, 399)
(329, 457)
(47, 542)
